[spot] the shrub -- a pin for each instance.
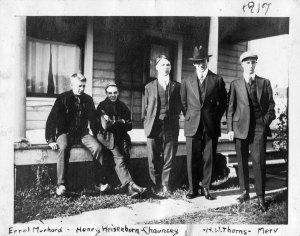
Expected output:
(281, 135)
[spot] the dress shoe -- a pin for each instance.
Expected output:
(207, 195)
(261, 204)
(135, 191)
(244, 197)
(103, 188)
(155, 189)
(191, 194)
(201, 191)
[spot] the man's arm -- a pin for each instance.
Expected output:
(146, 102)
(126, 121)
(183, 97)
(93, 117)
(51, 124)
(222, 98)
(230, 111)
(270, 115)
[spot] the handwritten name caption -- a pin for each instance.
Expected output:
(227, 230)
(96, 231)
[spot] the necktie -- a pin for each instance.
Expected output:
(250, 81)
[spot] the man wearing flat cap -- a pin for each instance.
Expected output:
(250, 112)
(116, 121)
(203, 97)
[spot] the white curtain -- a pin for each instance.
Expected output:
(65, 62)
(38, 59)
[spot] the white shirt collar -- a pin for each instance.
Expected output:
(247, 77)
(204, 74)
(164, 81)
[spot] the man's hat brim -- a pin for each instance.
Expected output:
(199, 59)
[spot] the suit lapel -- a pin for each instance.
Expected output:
(209, 86)
(154, 86)
(172, 86)
(259, 87)
(243, 90)
(194, 84)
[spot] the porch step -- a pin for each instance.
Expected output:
(42, 154)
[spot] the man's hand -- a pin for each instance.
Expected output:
(106, 117)
(53, 146)
(231, 135)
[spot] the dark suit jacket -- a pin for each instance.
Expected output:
(114, 132)
(238, 114)
(212, 108)
(62, 116)
(151, 103)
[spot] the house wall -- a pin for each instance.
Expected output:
(104, 71)
(229, 66)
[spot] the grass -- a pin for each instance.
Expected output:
(39, 203)
(246, 213)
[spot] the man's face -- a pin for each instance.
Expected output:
(163, 67)
(78, 86)
(112, 93)
(201, 65)
(249, 65)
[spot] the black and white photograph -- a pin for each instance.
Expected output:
(149, 118)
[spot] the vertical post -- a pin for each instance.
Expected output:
(213, 43)
(88, 56)
(12, 105)
(18, 53)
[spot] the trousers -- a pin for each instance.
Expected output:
(162, 147)
(64, 142)
(256, 142)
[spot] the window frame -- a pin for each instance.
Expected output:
(82, 57)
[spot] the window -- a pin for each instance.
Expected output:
(49, 65)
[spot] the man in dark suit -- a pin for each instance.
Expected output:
(67, 124)
(203, 97)
(250, 112)
(161, 124)
(115, 123)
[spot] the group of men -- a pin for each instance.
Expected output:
(203, 100)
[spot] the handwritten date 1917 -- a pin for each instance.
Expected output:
(255, 7)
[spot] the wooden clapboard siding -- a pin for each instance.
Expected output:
(103, 63)
(37, 111)
(228, 61)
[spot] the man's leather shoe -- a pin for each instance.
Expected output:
(103, 188)
(261, 204)
(135, 191)
(155, 189)
(201, 191)
(244, 197)
(207, 194)
(191, 194)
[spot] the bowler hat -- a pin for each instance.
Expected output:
(199, 54)
(248, 54)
